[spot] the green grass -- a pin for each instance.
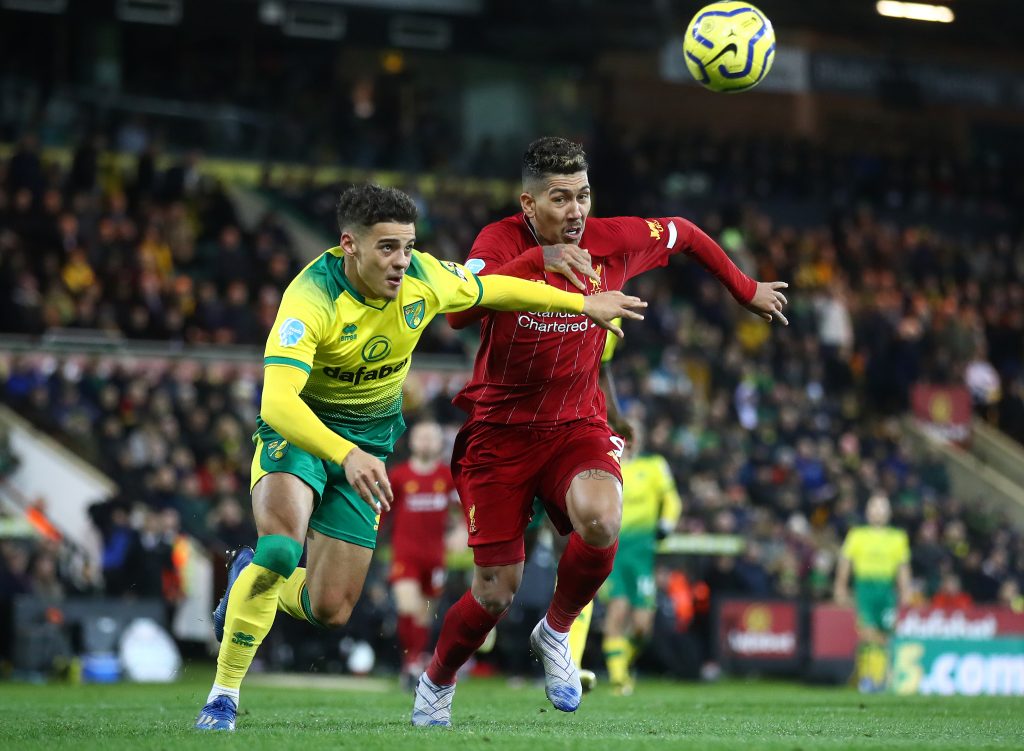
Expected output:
(491, 715)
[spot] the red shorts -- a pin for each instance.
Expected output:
(500, 469)
(429, 574)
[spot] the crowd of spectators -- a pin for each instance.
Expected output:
(774, 434)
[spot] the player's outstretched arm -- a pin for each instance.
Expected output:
(285, 412)
(768, 300)
(507, 293)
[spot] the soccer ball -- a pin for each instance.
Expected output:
(729, 46)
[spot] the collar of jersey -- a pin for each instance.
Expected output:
(376, 304)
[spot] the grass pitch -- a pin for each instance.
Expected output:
(489, 714)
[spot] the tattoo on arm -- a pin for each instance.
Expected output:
(596, 474)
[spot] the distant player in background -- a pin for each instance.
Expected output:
(331, 411)
(650, 511)
(879, 557)
(420, 515)
(537, 424)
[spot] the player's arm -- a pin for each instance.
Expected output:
(841, 588)
(283, 410)
(671, 504)
(606, 382)
(903, 574)
(508, 293)
(561, 259)
(302, 320)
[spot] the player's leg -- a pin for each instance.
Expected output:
(578, 633)
(411, 610)
(282, 504)
(616, 645)
(465, 627)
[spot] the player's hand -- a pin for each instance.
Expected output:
(605, 307)
(367, 475)
(566, 260)
(663, 530)
(768, 301)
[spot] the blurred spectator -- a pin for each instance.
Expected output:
(951, 595)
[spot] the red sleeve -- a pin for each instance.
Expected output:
(650, 242)
(490, 251)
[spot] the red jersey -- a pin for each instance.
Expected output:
(541, 369)
(419, 514)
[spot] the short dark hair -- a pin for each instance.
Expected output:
(553, 156)
(368, 204)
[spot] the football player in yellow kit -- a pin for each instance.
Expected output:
(335, 362)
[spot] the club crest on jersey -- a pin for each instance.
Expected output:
(656, 229)
(290, 332)
(414, 312)
(595, 284)
(277, 449)
(454, 268)
(348, 333)
(476, 265)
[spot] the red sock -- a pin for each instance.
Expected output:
(407, 639)
(581, 572)
(464, 629)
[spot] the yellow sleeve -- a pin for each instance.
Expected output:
(903, 551)
(285, 412)
(454, 286)
(303, 317)
(610, 342)
(508, 293)
(671, 504)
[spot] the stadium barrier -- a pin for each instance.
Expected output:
(970, 652)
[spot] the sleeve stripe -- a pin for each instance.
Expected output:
(288, 361)
(672, 234)
(480, 290)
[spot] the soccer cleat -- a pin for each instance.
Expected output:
(219, 714)
(561, 676)
(623, 689)
(239, 560)
(433, 704)
(588, 679)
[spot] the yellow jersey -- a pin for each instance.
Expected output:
(649, 495)
(357, 351)
(876, 553)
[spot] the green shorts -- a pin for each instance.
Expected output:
(876, 604)
(632, 576)
(338, 510)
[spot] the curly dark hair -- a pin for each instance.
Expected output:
(365, 205)
(553, 156)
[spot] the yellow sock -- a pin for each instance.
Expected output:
(578, 633)
(878, 664)
(251, 610)
(617, 653)
(289, 597)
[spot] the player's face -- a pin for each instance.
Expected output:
(559, 208)
(376, 258)
(878, 511)
(425, 441)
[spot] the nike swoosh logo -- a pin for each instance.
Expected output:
(731, 47)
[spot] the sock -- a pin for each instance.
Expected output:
(222, 691)
(877, 665)
(578, 633)
(289, 599)
(253, 605)
(581, 572)
(617, 653)
(251, 610)
(464, 629)
(636, 646)
(412, 638)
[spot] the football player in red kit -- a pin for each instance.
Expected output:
(537, 416)
(424, 494)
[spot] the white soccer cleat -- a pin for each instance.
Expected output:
(433, 704)
(561, 676)
(588, 680)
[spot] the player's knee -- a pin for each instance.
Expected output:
(278, 553)
(601, 527)
(495, 589)
(333, 615)
(496, 603)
